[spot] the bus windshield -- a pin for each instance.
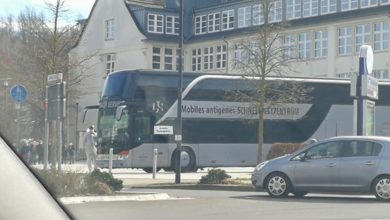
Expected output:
(113, 133)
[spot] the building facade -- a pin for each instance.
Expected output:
(325, 37)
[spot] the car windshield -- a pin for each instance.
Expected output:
(194, 104)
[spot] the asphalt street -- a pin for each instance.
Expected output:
(199, 204)
(216, 204)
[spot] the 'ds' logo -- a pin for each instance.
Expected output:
(158, 106)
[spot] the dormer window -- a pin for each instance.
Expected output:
(172, 25)
(155, 23)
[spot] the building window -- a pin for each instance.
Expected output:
(293, 9)
(305, 45)
(385, 2)
(368, 3)
(214, 22)
(221, 56)
(197, 59)
(310, 8)
(290, 46)
(320, 44)
(363, 35)
(156, 58)
(110, 63)
(275, 13)
(200, 24)
(168, 59)
(381, 74)
(155, 23)
(172, 25)
(344, 75)
(227, 20)
(258, 18)
(345, 41)
(244, 17)
(328, 6)
(208, 58)
(381, 36)
(110, 29)
(240, 57)
(347, 5)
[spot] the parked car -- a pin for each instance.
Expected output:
(341, 164)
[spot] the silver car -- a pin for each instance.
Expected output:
(341, 164)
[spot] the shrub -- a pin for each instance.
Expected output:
(280, 149)
(73, 183)
(215, 176)
(107, 178)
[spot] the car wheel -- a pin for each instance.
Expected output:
(300, 194)
(278, 185)
(382, 188)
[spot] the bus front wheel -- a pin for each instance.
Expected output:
(187, 162)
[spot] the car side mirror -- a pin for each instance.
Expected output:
(119, 112)
(302, 157)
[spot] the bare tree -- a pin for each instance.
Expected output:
(264, 55)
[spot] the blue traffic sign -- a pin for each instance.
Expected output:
(19, 93)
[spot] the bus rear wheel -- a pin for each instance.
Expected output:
(187, 162)
(150, 169)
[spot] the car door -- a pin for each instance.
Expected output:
(359, 162)
(320, 167)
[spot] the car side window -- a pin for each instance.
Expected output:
(323, 151)
(367, 148)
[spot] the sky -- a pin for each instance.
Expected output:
(77, 8)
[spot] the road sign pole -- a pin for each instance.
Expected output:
(59, 126)
(46, 138)
(17, 108)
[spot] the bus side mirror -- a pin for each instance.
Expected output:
(119, 112)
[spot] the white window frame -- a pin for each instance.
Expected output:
(110, 29)
(382, 74)
(201, 24)
(368, 3)
(293, 9)
(227, 20)
(197, 59)
(381, 36)
(208, 58)
(257, 15)
(310, 8)
(244, 15)
(362, 37)
(328, 7)
(221, 56)
(276, 11)
(305, 45)
(172, 26)
(155, 23)
(345, 41)
(321, 44)
(110, 62)
(168, 57)
(290, 46)
(214, 21)
(348, 5)
(156, 55)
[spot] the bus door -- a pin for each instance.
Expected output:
(143, 138)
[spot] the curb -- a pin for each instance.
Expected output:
(220, 187)
(118, 198)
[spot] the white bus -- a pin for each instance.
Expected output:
(217, 130)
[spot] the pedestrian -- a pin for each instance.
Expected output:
(90, 148)
(64, 154)
(40, 152)
(71, 153)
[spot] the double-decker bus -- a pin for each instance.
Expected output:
(217, 130)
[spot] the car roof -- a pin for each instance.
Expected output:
(371, 138)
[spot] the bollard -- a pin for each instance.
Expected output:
(155, 162)
(110, 160)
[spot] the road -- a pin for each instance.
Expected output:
(198, 204)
